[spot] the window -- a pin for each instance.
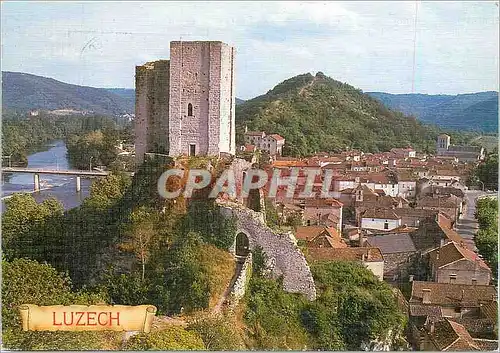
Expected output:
(190, 109)
(386, 225)
(474, 281)
(192, 149)
(453, 278)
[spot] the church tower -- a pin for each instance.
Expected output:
(442, 144)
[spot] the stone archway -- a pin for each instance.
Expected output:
(242, 245)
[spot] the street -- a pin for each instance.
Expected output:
(468, 226)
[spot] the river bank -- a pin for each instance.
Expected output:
(61, 187)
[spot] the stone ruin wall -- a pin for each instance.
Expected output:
(152, 108)
(240, 284)
(284, 257)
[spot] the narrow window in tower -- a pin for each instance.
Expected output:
(190, 109)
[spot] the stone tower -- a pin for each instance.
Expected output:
(185, 106)
(442, 144)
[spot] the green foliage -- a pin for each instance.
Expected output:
(93, 148)
(353, 307)
(317, 113)
(219, 333)
(24, 220)
(61, 341)
(258, 261)
(272, 216)
(204, 217)
(294, 220)
(486, 239)
(171, 338)
(487, 172)
(273, 316)
(29, 282)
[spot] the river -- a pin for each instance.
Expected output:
(62, 187)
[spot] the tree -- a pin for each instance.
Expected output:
(30, 282)
(141, 231)
(353, 307)
(23, 221)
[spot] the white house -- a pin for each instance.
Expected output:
(380, 219)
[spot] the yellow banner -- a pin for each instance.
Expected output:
(87, 318)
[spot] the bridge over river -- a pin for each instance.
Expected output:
(37, 171)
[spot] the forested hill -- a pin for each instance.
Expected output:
(23, 92)
(317, 113)
(473, 111)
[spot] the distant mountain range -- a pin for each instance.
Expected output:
(474, 111)
(23, 92)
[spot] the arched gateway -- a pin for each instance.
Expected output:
(284, 258)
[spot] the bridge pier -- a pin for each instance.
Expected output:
(36, 182)
(78, 184)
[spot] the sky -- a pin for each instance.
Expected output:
(369, 45)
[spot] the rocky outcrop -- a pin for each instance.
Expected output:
(284, 257)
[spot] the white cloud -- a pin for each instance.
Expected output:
(367, 44)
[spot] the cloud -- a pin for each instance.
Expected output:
(367, 44)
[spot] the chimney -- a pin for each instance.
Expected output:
(426, 296)
(437, 255)
(442, 242)
(411, 278)
(432, 327)
(246, 129)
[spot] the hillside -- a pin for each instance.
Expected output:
(22, 92)
(317, 113)
(474, 111)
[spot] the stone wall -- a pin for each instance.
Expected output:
(152, 108)
(284, 257)
(241, 282)
(201, 74)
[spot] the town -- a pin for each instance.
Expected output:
(403, 214)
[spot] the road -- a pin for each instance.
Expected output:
(468, 226)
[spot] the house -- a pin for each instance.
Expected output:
(451, 263)
(447, 335)
(397, 250)
(320, 237)
(325, 212)
(272, 144)
(403, 152)
(454, 300)
(451, 205)
(380, 219)
(412, 217)
(371, 258)
(433, 233)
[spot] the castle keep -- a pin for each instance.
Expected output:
(185, 105)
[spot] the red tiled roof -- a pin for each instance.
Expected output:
(277, 137)
(452, 252)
